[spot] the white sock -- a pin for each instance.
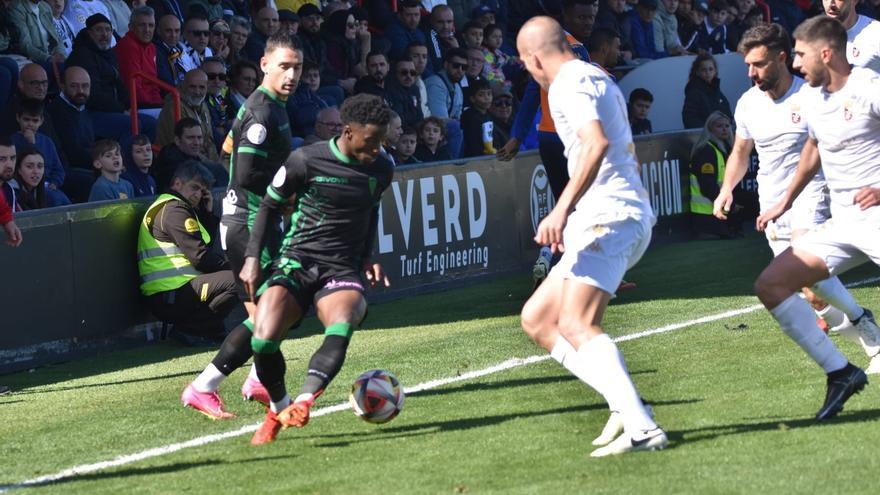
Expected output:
(607, 366)
(253, 372)
(798, 322)
(834, 293)
(209, 380)
(566, 355)
(832, 316)
(279, 406)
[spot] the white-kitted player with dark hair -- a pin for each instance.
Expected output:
(769, 119)
(842, 111)
(601, 223)
(862, 33)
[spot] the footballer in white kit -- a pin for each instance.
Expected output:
(601, 222)
(862, 33)
(842, 111)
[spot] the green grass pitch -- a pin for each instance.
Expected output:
(735, 396)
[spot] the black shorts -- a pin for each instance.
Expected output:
(308, 281)
(235, 232)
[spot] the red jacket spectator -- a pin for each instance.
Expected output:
(136, 56)
(5, 211)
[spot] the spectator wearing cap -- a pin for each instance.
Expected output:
(483, 15)
(345, 52)
(265, 24)
(712, 33)
(440, 36)
(212, 9)
(502, 115)
(170, 65)
(38, 39)
(310, 20)
(119, 14)
(642, 30)
(136, 53)
(289, 21)
(305, 103)
(404, 28)
(402, 94)
(196, 33)
(613, 15)
(63, 29)
(218, 39)
(666, 28)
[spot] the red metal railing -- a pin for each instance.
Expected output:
(132, 88)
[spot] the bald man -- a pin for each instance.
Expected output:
(33, 82)
(193, 90)
(602, 225)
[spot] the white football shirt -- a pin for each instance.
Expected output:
(863, 43)
(579, 94)
(846, 125)
(779, 132)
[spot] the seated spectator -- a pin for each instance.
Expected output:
(7, 171)
(192, 105)
(346, 52)
(166, 7)
(196, 32)
(216, 98)
(642, 30)
(288, 22)
(666, 29)
(496, 59)
(445, 98)
(137, 53)
(484, 14)
(169, 50)
(218, 39)
(404, 28)
(77, 13)
(736, 24)
(406, 146)
(192, 287)
(30, 117)
(314, 48)
(502, 116)
(33, 82)
(137, 170)
(8, 81)
(13, 239)
(613, 15)
(579, 18)
(604, 49)
(63, 29)
(395, 129)
(787, 13)
(712, 34)
(69, 112)
(38, 39)
(29, 180)
(403, 95)
(418, 53)
(702, 94)
(476, 123)
(472, 36)
(242, 82)
(212, 9)
(265, 25)
(305, 103)
(119, 13)
(476, 66)
(327, 124)
(188, 145)
(238, 8)
(432, 141)
(640, 101)
(239, 31)
(107, 160)
(374, 82)
(691, 22)
(440, 37)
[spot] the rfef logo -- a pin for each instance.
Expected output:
(541, 199)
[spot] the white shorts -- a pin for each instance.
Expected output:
(599, 253)
(810, 209)
(843, 244)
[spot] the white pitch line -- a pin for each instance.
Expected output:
(506, 365)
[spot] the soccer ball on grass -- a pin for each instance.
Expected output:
(376, 396)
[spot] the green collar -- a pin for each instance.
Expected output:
(340, 155)
(276, 98)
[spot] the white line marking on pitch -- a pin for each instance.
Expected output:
(506, 365)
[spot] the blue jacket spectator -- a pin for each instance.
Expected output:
(302, 110)
(785, 12)
(641, 21)
(143, 184)
(445, 97)
(404, 28)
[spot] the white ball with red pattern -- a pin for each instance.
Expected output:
(376, 396)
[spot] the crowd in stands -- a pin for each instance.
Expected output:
(448, 68)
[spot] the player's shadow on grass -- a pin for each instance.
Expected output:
(520, 382)
(414, 430)
(681, 437)
(107, 384)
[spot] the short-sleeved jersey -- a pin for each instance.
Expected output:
(336, 204)
(863, 43)
(579, 94)
(258, 143)
(779, 132)
(846, 125)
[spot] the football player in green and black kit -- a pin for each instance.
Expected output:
(258, 143)
(324, 257)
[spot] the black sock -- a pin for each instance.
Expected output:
(325, 364)
(842, 371)
(270, 370)
(235, 351)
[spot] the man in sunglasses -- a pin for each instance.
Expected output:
(445, 96)
(403, 94)
(196, 33)
(216, 97)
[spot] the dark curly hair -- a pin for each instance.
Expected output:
(365, 109)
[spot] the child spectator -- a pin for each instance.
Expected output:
(406, 147)
(476, 123)
(30, 117)
(432, 141)
(640, 101)
(107, 160)
(496, 59)
(702, 94)
(138, 169)
(30, 180)
(472, 35)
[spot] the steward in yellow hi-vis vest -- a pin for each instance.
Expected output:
(186, 281)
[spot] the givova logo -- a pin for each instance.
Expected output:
(540, 196)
